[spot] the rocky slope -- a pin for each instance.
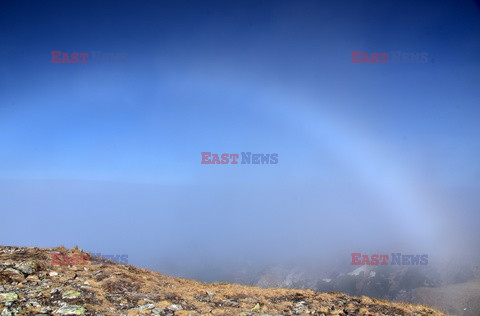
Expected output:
(31, 285)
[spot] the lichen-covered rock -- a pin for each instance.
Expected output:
(71, 310)
(71, 294)
(8, 297)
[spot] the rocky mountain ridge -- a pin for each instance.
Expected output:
(31, 285)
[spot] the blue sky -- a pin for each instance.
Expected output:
(371, 156)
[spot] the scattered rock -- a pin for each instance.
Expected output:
(157, 311)
(147, 306)
(174, 307)
(6, 312)
(26, 268)
(210, 293)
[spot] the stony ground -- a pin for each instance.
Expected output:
(31, 285)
